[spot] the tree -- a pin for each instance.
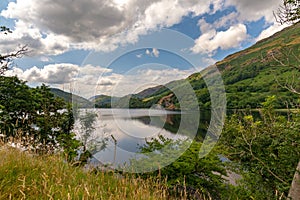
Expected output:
(197, 177)
(288, 12)
(33, 117)
(91, 142)
(5, 59)
(266, 150)
(17, 107)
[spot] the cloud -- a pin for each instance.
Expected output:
(90, 80)
(227, 20)
(105, 82)
(145, 78)
(62, 73)
(82, 80)
(223, 22)
(38, 44)
(80, 19)
(270, 31)
(147, 52)
(50, 74)
(212, 40)
(154, 52)
(45, 59)
(54, 27)
(255, 9)
(139, 55)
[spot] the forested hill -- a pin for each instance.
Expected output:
(267, 68)
(69, 97)
(264, 69)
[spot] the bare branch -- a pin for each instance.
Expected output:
(6, 59)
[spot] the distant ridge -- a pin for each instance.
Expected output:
(71, 98)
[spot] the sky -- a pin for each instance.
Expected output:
(119, 47)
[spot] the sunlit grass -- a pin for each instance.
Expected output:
(24, 176)
(148, 99)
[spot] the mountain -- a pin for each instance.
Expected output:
(103, 101)
(267, 68)
(262, 70)
(249, 76)
(71, 98)
(149, 91)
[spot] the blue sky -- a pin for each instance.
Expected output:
(92, 47)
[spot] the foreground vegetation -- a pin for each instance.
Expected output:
(264, 150)
(24, 176)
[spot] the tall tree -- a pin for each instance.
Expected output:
(288, 12)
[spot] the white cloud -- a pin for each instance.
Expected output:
(270, 31)
(45, 59)
(50, 74)
(236, 32)
(82, 80)
(54, 27)
(155, 52)
(223, 22)
(255, 9)
(90, 80)
(212, 40)
(95, 70)
(25, 34)
(147, 52)
(204, 26)
(227, 20)
(105, 82)
(62, 73)
(145, 78)
(139, 55)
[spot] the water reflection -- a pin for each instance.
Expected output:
(126, 131)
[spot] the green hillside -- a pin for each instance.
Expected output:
(250, 75)
(71, 98)
(102, 101)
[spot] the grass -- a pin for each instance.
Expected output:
(148, 99)
(24, 176)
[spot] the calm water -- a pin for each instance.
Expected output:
(125, 131)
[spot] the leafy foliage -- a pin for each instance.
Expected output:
(188, 173)
(33, 117)
(266, 149)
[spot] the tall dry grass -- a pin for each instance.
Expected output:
(25, 176)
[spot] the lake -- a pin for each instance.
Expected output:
(125, 131)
